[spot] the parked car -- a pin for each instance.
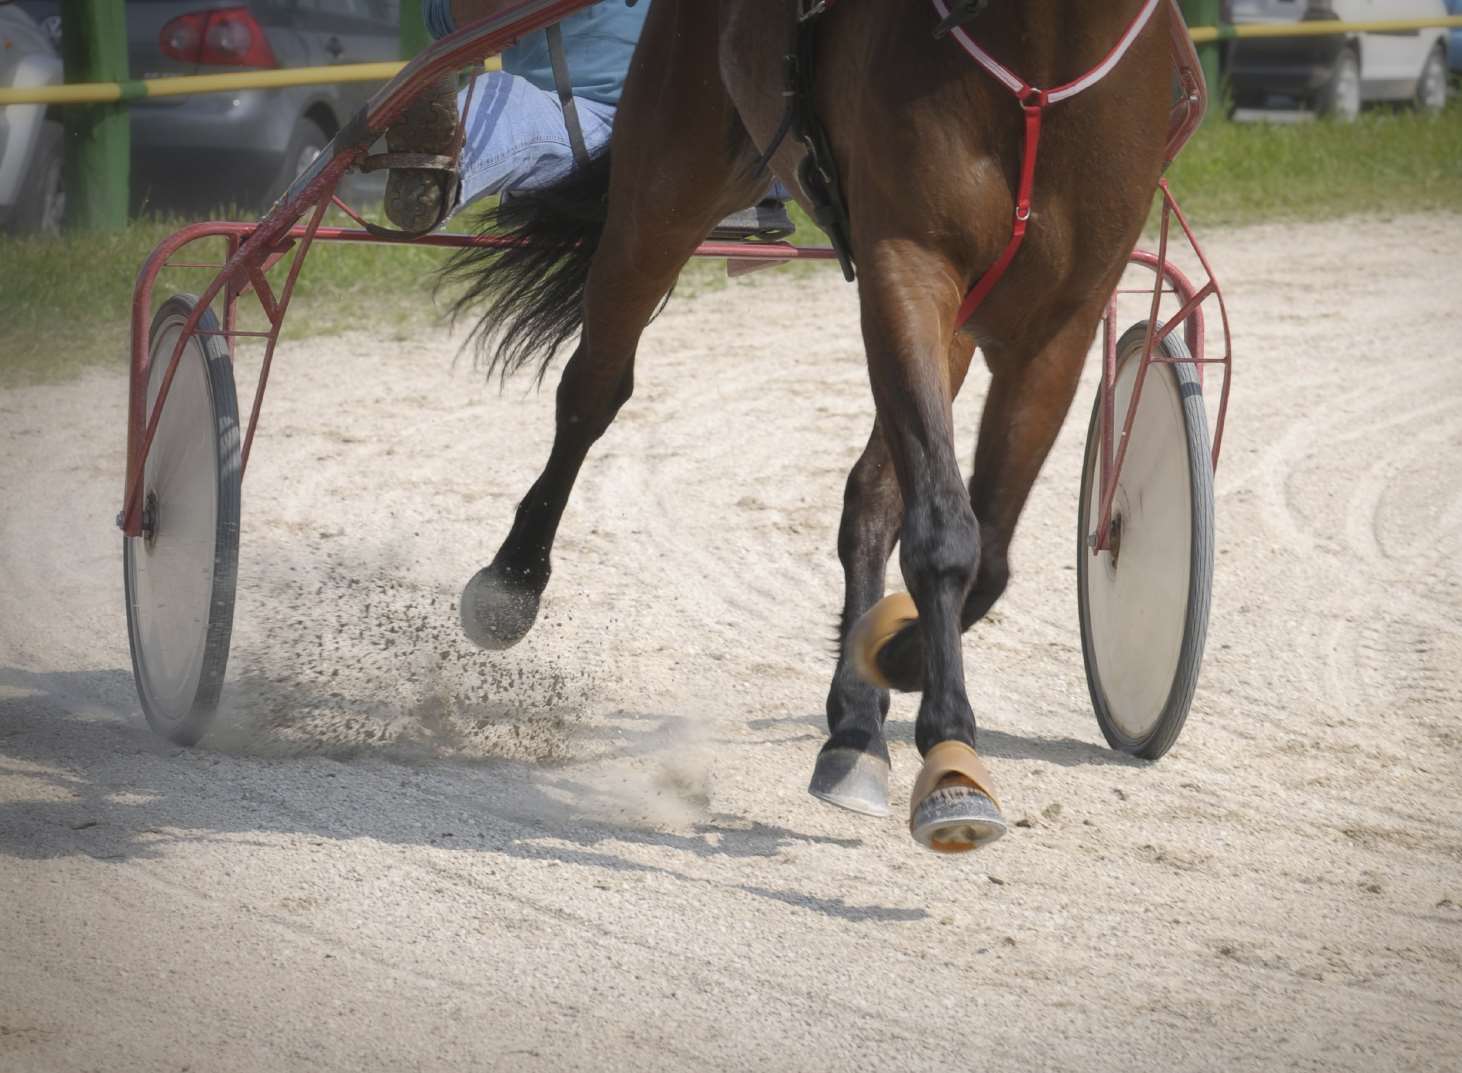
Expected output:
(1335, 75)
(32, 197)
(246, 146)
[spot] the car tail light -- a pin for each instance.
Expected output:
(229, 36)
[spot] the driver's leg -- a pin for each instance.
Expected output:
(417, 198)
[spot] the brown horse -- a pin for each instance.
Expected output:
(928, 146)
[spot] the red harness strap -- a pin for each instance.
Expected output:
(1034, 101)
(986, 283)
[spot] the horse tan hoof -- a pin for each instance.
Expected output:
(953, 808)
(851, 779)
(872, 633)
(496, 613)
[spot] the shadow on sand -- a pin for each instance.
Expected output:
(92, 780)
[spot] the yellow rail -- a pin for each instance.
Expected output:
(1205, 34)
(185, 85)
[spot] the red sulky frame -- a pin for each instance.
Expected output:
(254, 248)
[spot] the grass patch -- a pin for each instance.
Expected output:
(1386, 162)
(64, 304)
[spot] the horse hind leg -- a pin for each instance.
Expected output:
(852, 768)
(676, 171)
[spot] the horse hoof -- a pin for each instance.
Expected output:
(852, 780)
(953, 807)
(880, 645)
(496, 613)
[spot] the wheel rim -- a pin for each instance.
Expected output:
(171, 570)
(1137, 599)
(53, 207)
(1434, 85)
(1347, 91)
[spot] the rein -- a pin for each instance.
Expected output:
(565, 86)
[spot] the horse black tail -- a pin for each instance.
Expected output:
(528, 296)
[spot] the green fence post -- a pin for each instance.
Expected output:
(414, 37)
(98, 139)
(1207, 13)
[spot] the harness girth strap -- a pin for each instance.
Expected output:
(986, 283)
(566, 94)
(818, 172)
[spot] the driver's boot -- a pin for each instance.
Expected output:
(418, 199)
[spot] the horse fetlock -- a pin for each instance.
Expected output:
(944, 716)
(853, 702)
(901, 660)
(872, 633)
(499, 609)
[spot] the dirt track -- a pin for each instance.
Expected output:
(595, 851)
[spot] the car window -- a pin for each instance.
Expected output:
(374, 10)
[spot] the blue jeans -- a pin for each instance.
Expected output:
(516, 139)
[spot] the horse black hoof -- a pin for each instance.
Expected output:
(852, 780)
(497, 613)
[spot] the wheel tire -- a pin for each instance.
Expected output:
(307, 142)
(1143, 627)
(1339, 98)
(1431, 87)
(180, 579)
(41, 207)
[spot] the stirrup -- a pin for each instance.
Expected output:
(452, 188)
(766, 221)
(425, 140)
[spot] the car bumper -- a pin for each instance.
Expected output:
(1291, 66)
(225, 140)
(254, 118)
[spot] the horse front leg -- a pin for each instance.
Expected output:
(1033, 380)
(908, 309)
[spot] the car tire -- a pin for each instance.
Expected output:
(1431, 87)
(1339, 98)
(41, 207)
(1249, 99)
(307, 142)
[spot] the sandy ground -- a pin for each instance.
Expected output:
(596, 851)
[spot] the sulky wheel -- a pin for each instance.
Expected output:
(180, 574)
(1144, 604)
